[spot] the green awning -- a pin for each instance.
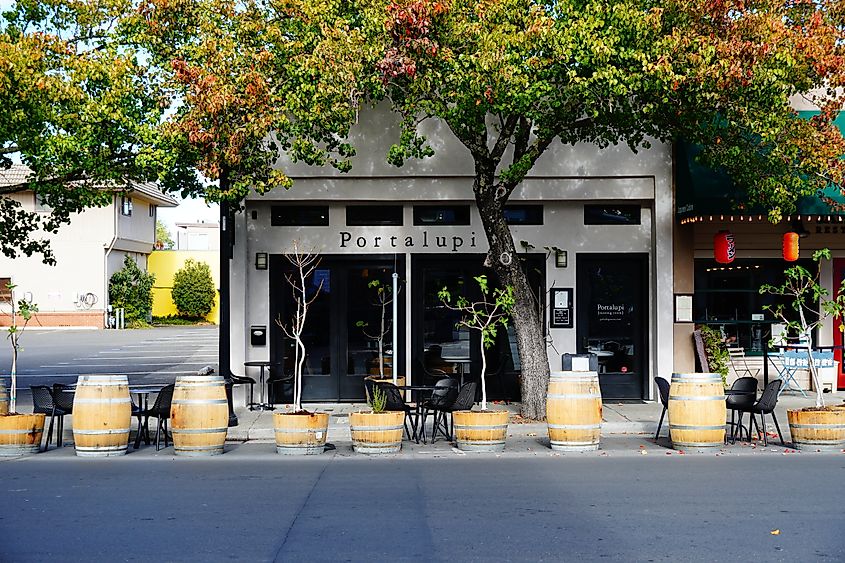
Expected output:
(702, 191)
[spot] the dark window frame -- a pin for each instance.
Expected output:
(397, 220)
(126, 206)
(461, 215)
(535, 213)
(594, 218)
(299, 216)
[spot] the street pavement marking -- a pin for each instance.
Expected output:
(133, 363)
(149, 356)
(122, 372)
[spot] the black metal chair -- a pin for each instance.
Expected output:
(442, 398)
(161, 411)
(746, 389)
(431, 375)
(663, 390)
(246, 380)
(464, 402)
(42, 403)
(765, 405)
(395, 402)
(63, 401)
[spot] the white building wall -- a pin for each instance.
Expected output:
(564, 179)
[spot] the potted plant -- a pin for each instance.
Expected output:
(377, 431)
(300, 432)
(19, 433)
(818, 427)
(483, 430)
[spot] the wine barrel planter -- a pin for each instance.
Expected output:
(697, 410)
(573, 410)
(4, 398)
(300, 433)
(102, 415)
(20, 434)
(817, 429)
(376, 433)
(480, 431)
(199, 415)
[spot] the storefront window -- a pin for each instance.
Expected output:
(727, 297)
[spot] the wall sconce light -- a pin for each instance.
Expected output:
(260, 260)
(560, 258)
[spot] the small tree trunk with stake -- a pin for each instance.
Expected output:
(25, 310)
(304, 263)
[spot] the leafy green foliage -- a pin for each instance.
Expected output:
(807, 307)
(131, 288)
(163, 239)
(193, 289)
(717, 352)
(378, 400)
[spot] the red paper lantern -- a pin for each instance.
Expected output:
(790, 247)
(724, 247)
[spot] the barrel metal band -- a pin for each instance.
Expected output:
(96, 432)
(574, 396)
(199, 401)
(198, 448)
(197, 430)
(481, 427)
(117, 448)
(107, 401)
(374, 428)
(481, 442)
(28, 431)
(707, 398)
(820, 426)
(696, 427)
(299, 430)
(576, 426)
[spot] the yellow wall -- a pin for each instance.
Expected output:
(165, 263)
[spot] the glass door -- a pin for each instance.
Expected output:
(611, 319)
(348, 326)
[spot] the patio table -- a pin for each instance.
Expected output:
(416, 392)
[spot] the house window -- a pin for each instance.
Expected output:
(425, 215)
(299, 215)
(152, 210)
(374, 215)
(609, 214)
(524, 214)
(126, 206)
(5, 292)
(41, 204)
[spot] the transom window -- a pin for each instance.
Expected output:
(299, 215)
(441, 215)
(374, 215)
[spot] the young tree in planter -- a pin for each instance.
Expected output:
(383, 299)
(484, 316)
(304, 264)
(25, 310)
(810, 301)
(193, 289)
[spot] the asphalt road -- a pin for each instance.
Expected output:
(244, 506)
(146, 355)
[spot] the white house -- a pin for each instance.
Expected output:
(88, 251)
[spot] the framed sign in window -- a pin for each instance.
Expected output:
(561, 307)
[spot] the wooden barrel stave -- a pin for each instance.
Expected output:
(817, 430)
(4, 398)
(574, 410)
(376, 433)
(21, 434)
(300, 434)
(697, 410)
(480, 431)
(199, 415)
(102, 415)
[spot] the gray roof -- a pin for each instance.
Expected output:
(20, 173)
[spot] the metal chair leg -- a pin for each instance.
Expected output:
(660, 424)
(166, 443)
(775, 419)
(49, 433)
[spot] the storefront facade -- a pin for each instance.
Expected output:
(594, 231)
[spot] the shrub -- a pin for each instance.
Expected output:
(193, 289)
(717, 353)
(131, 288)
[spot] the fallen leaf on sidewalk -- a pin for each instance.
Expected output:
(531, 434)
(643, 452)
(775, 532)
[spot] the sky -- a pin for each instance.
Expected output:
(188, 211)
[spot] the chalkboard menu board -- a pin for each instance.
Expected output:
(561, 307)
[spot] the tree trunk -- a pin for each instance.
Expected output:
(504, 260)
